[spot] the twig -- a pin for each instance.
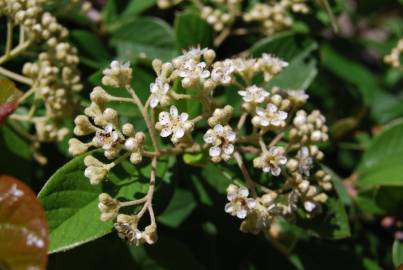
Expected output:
(244, 170)
(15, 76)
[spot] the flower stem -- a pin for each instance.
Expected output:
(244, 170)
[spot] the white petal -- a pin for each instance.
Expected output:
(218, 129)
(241, 213)
(271, 107)
(208, 137)
(184, 117)
(243, 192)
(154, 100)
(229, 208)
(153, 88)
(215, 151)
(164, 118)
(260, 111)
(165, 132)
(275, 171)
(179, 132)
(231, 136)
(242, 93)
(309, 206)
(173, 111)
(251, 203)
(228, 149)
(282, 115)
(282, 160)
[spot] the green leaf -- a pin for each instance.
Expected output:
(300, 72)
(283, 45)
(16, 155)
(382, 162)
(167, 253)
(287, 45)
(339, 187)
(192, 31)
(352, 72)
(144, 38)
(110, 12)
(397, 253)
(135, 7)
(181, 206)
(70, 201)
(91, 45)
(331, 224)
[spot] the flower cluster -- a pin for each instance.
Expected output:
(275, 16)
(53, 79)
(272, 134)
(223, 15)
(393, 58)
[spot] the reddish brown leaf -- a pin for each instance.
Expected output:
(23, 227)
(6, 109)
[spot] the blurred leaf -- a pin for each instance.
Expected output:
(181, 206)
(301, 70)
(397, 253)
(23, 227)
(387, 107)
(283, 45)
(70, 201)
(110, 12)
(16, 155)
(135, 7)
(92, 46)
(352, 72)
(382, 162)
(192, 31)
(8, 91)
(144, 38)
(195, 159)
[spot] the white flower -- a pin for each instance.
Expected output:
(174, 124)
(239, 204)
(222, 72)
(271, 116)
(254, 94)
(159, 93)
(193, 54)
(271, 65)
(193, 70)
(304, 161)
(271, 160)
(117, 75)
(297, 96)
(221, 140)
(107, 138)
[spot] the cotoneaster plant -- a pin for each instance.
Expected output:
(273, 131)
(52, 80)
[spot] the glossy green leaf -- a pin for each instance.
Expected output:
(70, 201)
(181, 206)
(23, 227)
(192, 31)
(144, 38)
(382, 162)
